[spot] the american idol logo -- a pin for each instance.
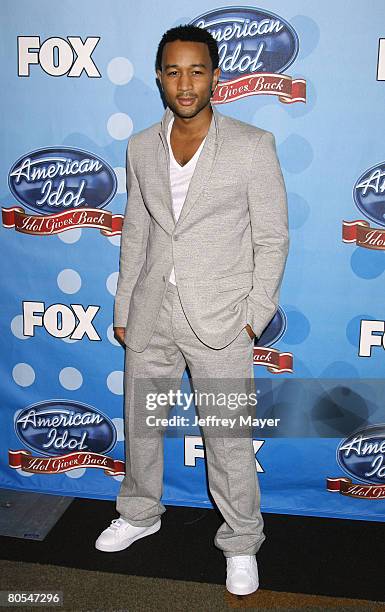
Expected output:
(57, 427)
(250, 40)
(362, 454)
(71, 185)
(52, 179)
(276, 361)
(275, 330)
(369, 193)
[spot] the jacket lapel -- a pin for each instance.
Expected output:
(202, 171)
(163, 172)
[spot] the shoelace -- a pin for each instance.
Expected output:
(243, 562)
(116, 523)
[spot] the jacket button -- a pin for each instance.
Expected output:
(176, 237)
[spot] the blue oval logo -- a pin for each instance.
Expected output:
(362, 454)
(369, 193)
(274, 330)
(55, 179)
(58, 427)
(250, 40)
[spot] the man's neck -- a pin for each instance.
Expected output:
(193, 126)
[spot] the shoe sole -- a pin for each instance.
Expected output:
(111, 548)
(244, 591)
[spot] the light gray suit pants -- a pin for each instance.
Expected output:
(231, 467)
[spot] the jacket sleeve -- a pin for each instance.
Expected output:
(133, 243)
(269, 227)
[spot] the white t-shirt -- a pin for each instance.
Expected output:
(180, 177)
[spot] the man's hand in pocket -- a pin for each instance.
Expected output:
(119, 333)
(250, 332)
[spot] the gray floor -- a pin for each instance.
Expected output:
(90, 590)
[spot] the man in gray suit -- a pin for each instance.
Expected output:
(203, 250)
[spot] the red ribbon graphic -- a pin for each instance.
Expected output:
(360, 233)
(363, 491)
(23, 459)
(275, 361)
(43, 225)
(261, 83)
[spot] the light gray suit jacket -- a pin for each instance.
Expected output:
(229, 245)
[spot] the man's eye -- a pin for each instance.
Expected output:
(197, 72)
(173, 73)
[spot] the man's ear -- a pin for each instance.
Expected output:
(216, 75)
(159, 76)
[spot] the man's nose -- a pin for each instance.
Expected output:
(185, 83)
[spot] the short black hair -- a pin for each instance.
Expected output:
(188, 33)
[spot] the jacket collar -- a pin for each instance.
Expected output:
(202, 171)
(213, 129)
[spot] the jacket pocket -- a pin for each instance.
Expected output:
(235, 281)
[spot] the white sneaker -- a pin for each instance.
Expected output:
(121, 534)
(242, 574)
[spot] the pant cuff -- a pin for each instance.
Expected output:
(144, 523)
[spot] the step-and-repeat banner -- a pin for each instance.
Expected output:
(78, 79)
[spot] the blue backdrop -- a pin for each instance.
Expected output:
(78, 79)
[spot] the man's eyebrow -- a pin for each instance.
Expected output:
(191, 66)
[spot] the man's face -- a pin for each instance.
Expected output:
(187, 77)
